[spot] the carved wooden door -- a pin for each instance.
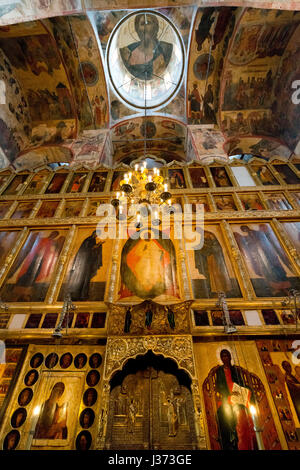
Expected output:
(150, 410)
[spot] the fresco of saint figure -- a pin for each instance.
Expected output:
(148, 268)
(148, 57)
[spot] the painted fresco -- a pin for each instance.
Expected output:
(262, 57)
(148, 268)
(7, 241)
(82, 59)
(30, 275)
(35, 61)
(87, 270)
(266, 149)
(212, 30)
(210, 267)
(15, 121)
(283, 375)
(270, 270)
(88, 148)
(93, 206)
(44, 155)
(24, 10)
(293, 231)
(232, 380)
(208, 144)
(168, 138)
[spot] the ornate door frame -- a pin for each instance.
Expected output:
(120, 350)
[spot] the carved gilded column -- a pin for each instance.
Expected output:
(289, 247)
(46, 183)
(241, 270)
(36, 208)
(87, 182)
(84, 207)
(60, 266)
(183, 270)
(11, 210)
(11, 257)
(114, 271)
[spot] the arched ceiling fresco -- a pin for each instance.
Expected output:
(233, 97)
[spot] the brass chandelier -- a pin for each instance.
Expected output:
(143, 186)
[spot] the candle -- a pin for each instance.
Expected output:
(130, 175)
(156, 215)
(136, 167)
(138, 217)
(118, 195)
(121, 209)
(150, 178)
(145, 164)
(157, 172)
(169, 202)
(166, 187)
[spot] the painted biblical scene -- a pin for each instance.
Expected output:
(56, 421)
(145, 48)
(47, 209)
(98, 182)
(93, 206)
(194, 200)
(278, 202)
(176, 179)
(220, 177)
(148, 268)
(37, 183)
(264, 175)
(270, 270)
(293, 231)
(116, 179)
(72, 209)
(288, 176)
(56, 183)
(211, 269)
(198, 177)
(251, 202)
(31, 273)
(76, 183)
(225, 203)
(16, 185)
(283, 375)
(234, 387)
(88, 267)
(23, 210)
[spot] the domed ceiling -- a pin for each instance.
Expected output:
(80, 83)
